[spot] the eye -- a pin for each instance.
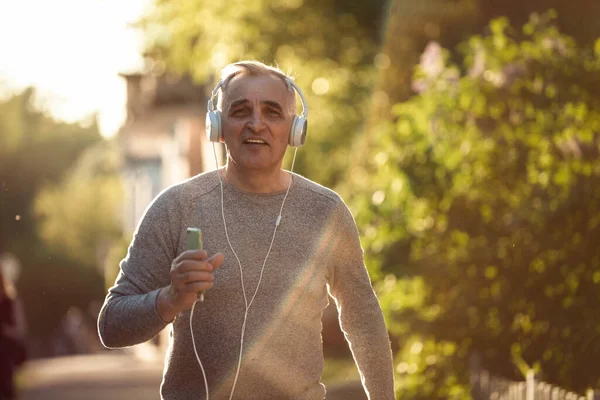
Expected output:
(273, 112)
(240, 112)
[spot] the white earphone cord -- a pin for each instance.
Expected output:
(196, 351)
(248, 304)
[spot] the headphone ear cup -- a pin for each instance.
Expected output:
(213, 126)
(298, 131)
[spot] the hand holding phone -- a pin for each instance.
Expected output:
(191, 274)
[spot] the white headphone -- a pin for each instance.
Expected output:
(214, 131)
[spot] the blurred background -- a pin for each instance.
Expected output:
(463, 134)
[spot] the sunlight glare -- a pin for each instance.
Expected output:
(72, 51)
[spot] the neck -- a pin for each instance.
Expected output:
(256, 181)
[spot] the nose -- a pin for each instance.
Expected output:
(256, 122)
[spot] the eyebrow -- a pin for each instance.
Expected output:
(270, 103)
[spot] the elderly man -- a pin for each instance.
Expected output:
(275, 246)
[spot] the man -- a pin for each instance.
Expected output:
(275, 245)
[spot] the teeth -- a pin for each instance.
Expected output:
(255, 141)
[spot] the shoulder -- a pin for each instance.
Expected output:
(322, 199)
(310, 189)
(172, 201)
(189, 189)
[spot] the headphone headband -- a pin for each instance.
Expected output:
(211, 106)
(299, 122)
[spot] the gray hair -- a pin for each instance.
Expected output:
(253, 68)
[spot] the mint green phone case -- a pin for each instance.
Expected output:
(194, 242)
(194, 239)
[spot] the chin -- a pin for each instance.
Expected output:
(258, 166)
(257, 162)
(249, 164)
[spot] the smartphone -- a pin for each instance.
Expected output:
(194, 239)
(194, 242)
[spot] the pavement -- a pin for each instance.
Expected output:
(115, 375)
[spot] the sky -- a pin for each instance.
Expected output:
(72, 52)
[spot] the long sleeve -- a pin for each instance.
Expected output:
(129, 315)
(360, 315)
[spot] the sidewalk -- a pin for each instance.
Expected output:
(113, 375)
(116, 375)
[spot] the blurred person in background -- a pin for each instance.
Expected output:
(275, 246)
(12, 333)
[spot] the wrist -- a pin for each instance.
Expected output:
(164, 306)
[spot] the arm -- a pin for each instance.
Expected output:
(129, 315)
(360, 315)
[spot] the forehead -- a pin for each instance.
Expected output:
(257, 88)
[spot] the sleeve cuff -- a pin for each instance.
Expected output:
(154, 298)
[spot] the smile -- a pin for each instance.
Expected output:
(255, 141)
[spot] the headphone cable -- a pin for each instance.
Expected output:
(247, 304)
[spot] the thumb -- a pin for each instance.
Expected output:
(216, 260)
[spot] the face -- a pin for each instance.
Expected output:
(256, 120)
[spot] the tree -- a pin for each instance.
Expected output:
(35, 152)
(479, 211)
(410, 25)
(79, 215)
(330, 45)
(575, 18)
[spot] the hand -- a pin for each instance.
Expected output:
(191, 273)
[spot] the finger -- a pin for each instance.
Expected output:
(196, 276)
(193, 265)
(216, 260)
(197, 287)
(191, 255)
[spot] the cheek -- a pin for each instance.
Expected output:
(230, 128)
(284, 132)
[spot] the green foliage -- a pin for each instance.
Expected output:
(78, 216)
(35, 152)
(575, 18)
(322, 42)
(480, 211)
(410, 25)
(112, 262)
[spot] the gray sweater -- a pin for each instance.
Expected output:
(316, 252)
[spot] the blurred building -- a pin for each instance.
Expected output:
(163, 142)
